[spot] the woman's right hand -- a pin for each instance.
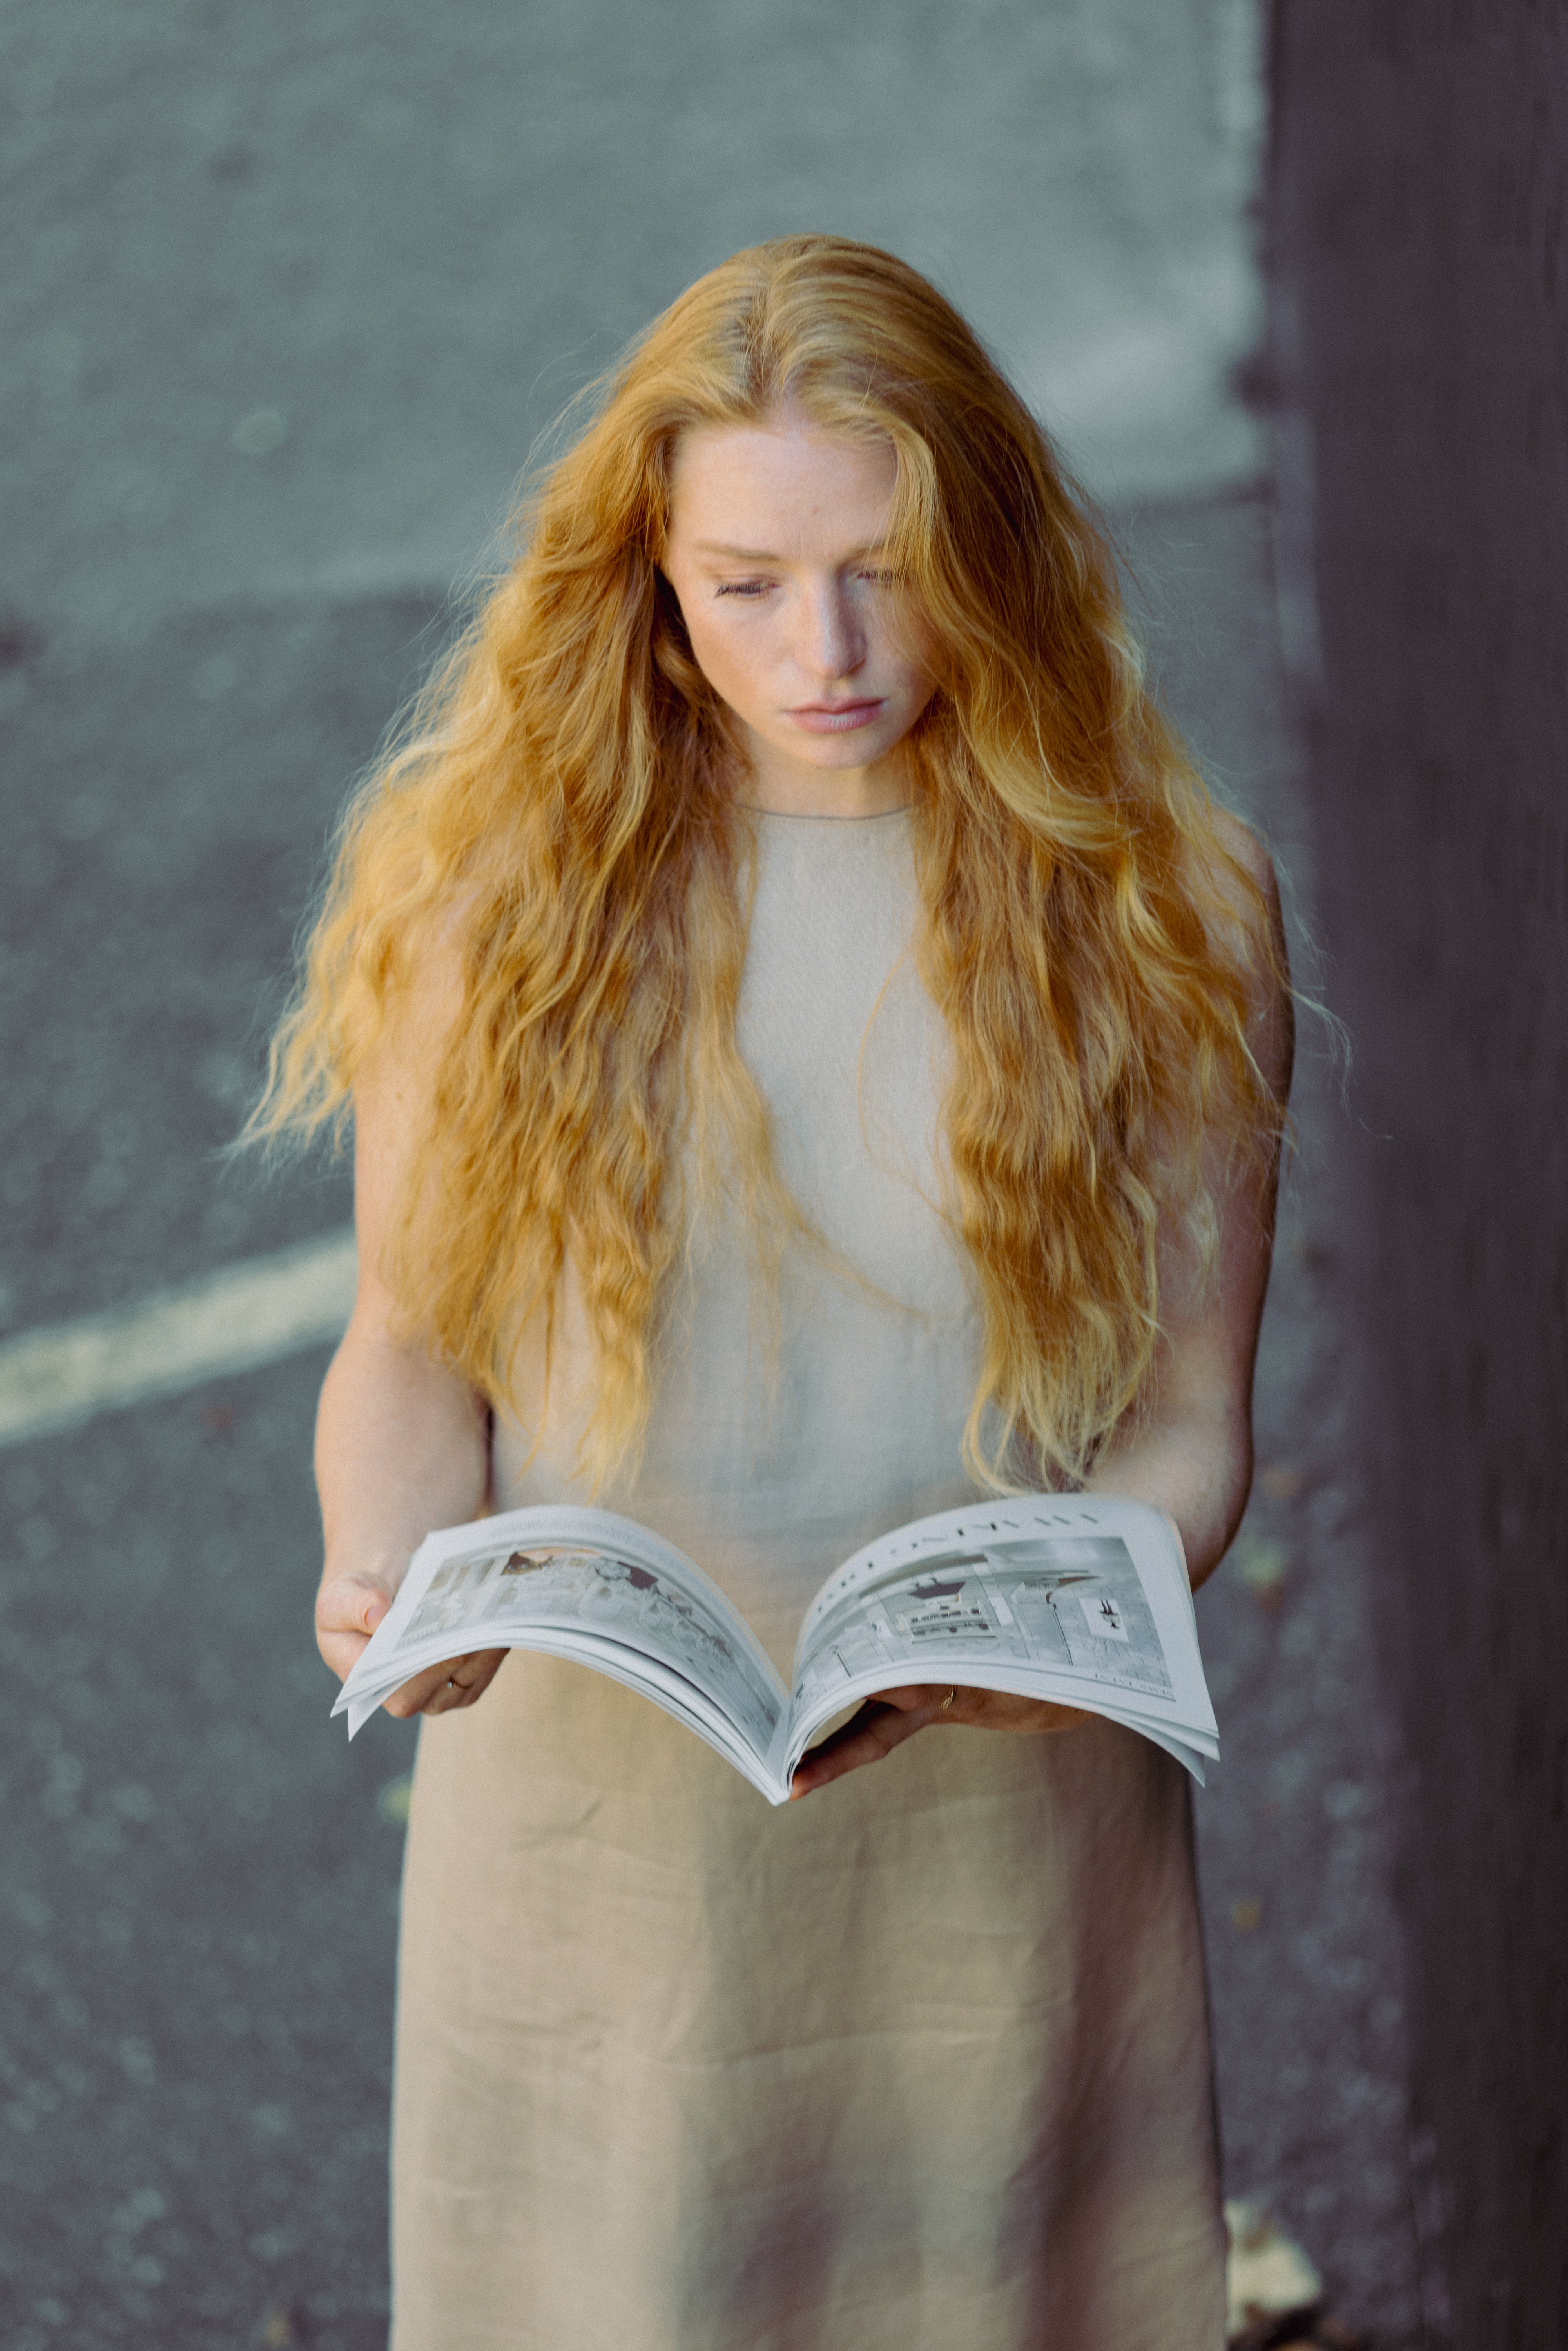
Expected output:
(402, 1443)
(348, 1610)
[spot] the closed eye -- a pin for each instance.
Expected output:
(751, 587)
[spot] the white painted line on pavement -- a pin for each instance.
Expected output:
(252, 1313)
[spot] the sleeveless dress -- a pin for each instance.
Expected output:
(920, 2062)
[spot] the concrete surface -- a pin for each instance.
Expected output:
(407, 236)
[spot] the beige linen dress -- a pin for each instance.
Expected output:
(920, 2062)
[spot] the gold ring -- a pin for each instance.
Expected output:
(948, 1699)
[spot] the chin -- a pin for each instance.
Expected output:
(847, 751)
(862, 749)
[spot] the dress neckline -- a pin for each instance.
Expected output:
(839, 823)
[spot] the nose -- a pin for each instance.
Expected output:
(831, 644)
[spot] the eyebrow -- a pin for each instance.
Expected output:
(757, 554)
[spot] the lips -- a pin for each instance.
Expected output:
(836, 717)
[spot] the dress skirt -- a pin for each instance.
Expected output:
(919, 2062)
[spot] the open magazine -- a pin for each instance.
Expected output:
(1079, 1598)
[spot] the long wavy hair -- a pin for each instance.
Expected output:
(560, 813)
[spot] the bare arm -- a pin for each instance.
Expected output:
(402, 1443)
(1189, 1453)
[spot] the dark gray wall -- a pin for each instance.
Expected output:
(1421, 174)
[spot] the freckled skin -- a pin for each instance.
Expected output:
(775, 553)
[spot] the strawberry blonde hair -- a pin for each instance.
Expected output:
(559, 809)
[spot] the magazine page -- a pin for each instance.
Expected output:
(583, 1583)
(1080, 1599)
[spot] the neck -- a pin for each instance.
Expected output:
(780, 788)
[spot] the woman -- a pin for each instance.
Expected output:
(815, 1053)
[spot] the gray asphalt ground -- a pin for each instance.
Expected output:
(407, 236)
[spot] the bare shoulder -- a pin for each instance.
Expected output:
(423, 1004)
(394, 1093)
(1242, 878)
(1273, 1026)
(397, 1083)
(1245, 848)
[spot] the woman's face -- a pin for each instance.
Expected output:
(776, 556)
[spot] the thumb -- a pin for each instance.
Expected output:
(352, 1603)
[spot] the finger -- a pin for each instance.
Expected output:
(352, 1603)
(916, 1696)
(342, 1651)
(1063, 1718)
(456, 1683)
(1008, 1710)
(869, 1737)
(348, 1610)
(893, 1716)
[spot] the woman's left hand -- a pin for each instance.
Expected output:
(886, 1720)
